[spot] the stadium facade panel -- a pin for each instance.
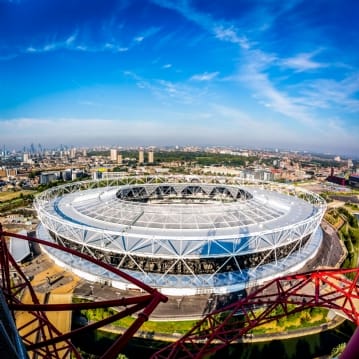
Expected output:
(183, 234)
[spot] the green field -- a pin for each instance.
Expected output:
(9, 195)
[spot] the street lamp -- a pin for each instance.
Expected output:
(179, 301)
(209, 300)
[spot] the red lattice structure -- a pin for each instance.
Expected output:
(335, 289)
(42, 338)
(330, 288)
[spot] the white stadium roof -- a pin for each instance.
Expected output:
(100, 208)
(256, 229)
(19, 248)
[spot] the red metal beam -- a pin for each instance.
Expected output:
(352, 348)
(85, 305)
(291, 293)
(106, 266)
(95, 325)
(330, 288)
(50, 336)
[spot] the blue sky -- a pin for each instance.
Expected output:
(278, 74)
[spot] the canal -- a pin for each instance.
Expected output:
(308, 347)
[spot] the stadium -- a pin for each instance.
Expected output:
(184, 235)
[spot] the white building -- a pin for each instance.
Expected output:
(150, 156)
(113, 154)
(141, 156)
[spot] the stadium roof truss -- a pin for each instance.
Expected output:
(179, 219)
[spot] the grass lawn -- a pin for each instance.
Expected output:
(159, 327)
(167, 327)
(7, 196)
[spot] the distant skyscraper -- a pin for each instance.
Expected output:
(26, 158)
(113, 154)
(119, 159)
(73, 153)
(150, 156)
(141, 157)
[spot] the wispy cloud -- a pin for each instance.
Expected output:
(71, 44)
(168, 91)
(79, 40)
(139, 38)
(338, 95)
(207, 76)
(302, 62)
(269, 132)
(255, 67)
(230, 34)
(74, 42)
(146, 34)
(115, 48)
(252, 69)
(71, 39)
(272, 97)
(253, 72)
(68, 42)
(219, 29)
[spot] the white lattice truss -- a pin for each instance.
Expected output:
(226, 223)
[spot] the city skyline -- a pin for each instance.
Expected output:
(249, 74)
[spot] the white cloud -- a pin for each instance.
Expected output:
(230, 34)
(30, 49)
(255, 64)
(168, 90)
(337, 95)
(72, 45)
(275, 99)
(221, 30)
(139, 38)
(176, 91)
(265, 132)
(71, 39)
(205, 76)
(302, 62)
(53, 46)
(144, 35)
(167, 66)
(81, 48)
